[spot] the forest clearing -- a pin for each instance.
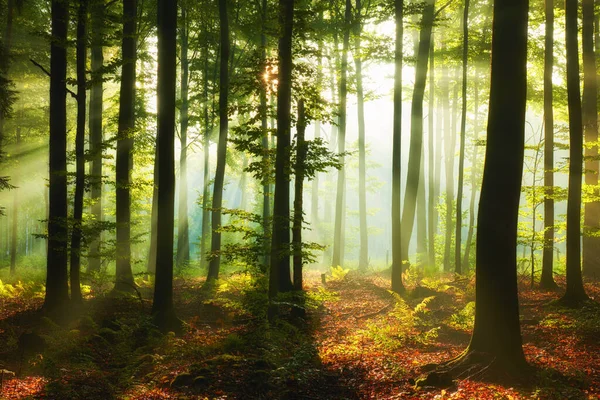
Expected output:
(356, 341)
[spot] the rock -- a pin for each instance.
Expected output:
(435, 379)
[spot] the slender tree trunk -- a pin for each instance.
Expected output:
(217, 202)
(547, 278)
(298, 192)
(206, 158)
(162, 307)
(279, 277)
(183, 235)
(15, 211)
(338, 242)
(124, 275)
(397, 255)
(266, 221)
(95, 127)
(76, 236)
(448, 162)
(57, 289)
(474, 176)
(591, 244)
(497, 329)
(416, 131)
(363, 258)
(463, 130)
(314, 209)
(151, 267)
(432, 162)
(575, 293)
(5, 64)
(422, 213)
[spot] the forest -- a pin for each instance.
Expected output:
(299, 199)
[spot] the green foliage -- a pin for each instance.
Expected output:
(464, 318)
(338, 273)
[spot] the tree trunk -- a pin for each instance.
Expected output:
(497, 329)
(162, 307)
(416, 126)
(57, 290)
(448, 161)
(575, 293)
(95, 128)
(463, 129)
(298, 191)
(151, 267)
(279, 278)
(432, 163)
(217, 202)
(183, 236)
(422, 213)
(397, 255)
(338, 242)
(547, 278)
(363, 258)
(591, 244)
(124, 274)
(7, 45)
(474, 176)
(266, 214)
(79, 152)
(15, 212)
(208, 124)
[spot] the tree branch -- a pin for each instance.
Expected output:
(44, 70)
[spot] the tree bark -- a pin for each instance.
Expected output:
(591, 242)
(266, 214)
(124, 275)
(547, 278)
(279, 277)
(298, 192)
(432, 163)
(162, 307)
(183, 235)
(76, 235)
(575, 292)
(448, 161)
(57, 291)
(15, 212)
(217, 202)
(474, 175)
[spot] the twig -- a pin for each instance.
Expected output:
(442, 8)
(44, 70)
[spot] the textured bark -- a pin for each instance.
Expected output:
(363, 258)
(432, 163)
(547, 278)
(151, 266)
(95, 126)
(217, 200)
(124, 274)
(76, 236)
(448, 160)
(298, 192)
(397, 255)
(591, 240)
(340, 206)
(575, 291)
(57, 291)
(162, 307)
(279, 277)
(416, 127)
(463, 130)
(474, 176)
(15, 211)
(497, 329)
(183, 235)
(266, 214)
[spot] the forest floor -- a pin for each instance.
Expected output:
(355, 341)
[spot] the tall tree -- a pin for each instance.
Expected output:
(474, 173)
(448, 159)
(432, 163)
(591, 242)
(575, 293)
(363, 258)
(547, 278)
(279, 274)
(183, 236)
(298, 192)
(57, 290)
(6, 46)
(76, 235)
(95, 124)
(266, 214)
(496, 333)
(463, 129)
(162, 307)
(340, 208)
(15, 211)
(217, 202)
(397, 255)
(126, 128)
(416, 124)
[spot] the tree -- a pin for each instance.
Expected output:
(183, 236)
(432, 163)
(397, 255)
(57, 291)
(76, 235)
(591, 240)
(217, 202)
(162, 307)
(340, 204)
(298, 192)
(547, 278)
(575, 293)
(124, 275)
(496, 340)
(279, 274)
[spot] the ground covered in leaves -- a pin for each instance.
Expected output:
(348, 339)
